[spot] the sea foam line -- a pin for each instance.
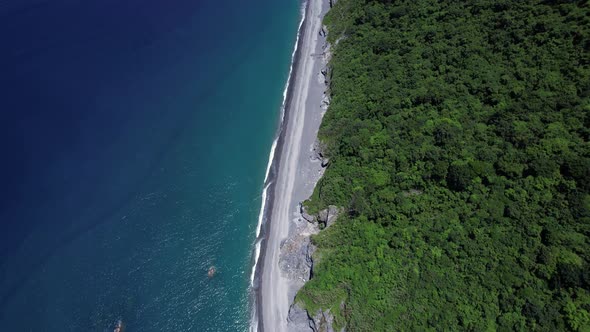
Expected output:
(254, 319)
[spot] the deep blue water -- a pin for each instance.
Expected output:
(134, 139)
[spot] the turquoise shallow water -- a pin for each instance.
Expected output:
(138, 135)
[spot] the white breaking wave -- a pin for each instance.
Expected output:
(254, 316)
(257, 249)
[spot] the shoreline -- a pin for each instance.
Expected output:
(290, 178)
(263, 226)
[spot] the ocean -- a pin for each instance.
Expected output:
(135, 137)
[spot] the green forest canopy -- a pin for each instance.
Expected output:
(458, 136)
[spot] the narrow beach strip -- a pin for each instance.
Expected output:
(271, 170)
(304, 93)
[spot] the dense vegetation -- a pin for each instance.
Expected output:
(458, 135)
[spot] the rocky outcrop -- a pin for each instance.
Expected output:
(296, 260)
(325, 103)
(326, 72)
(329, 215)
(296, 263)
(306, 216)
(322, 321)
(299, 319)
(319, 154)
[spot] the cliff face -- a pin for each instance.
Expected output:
(300, 320)
(297, 261)
(297, 251)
